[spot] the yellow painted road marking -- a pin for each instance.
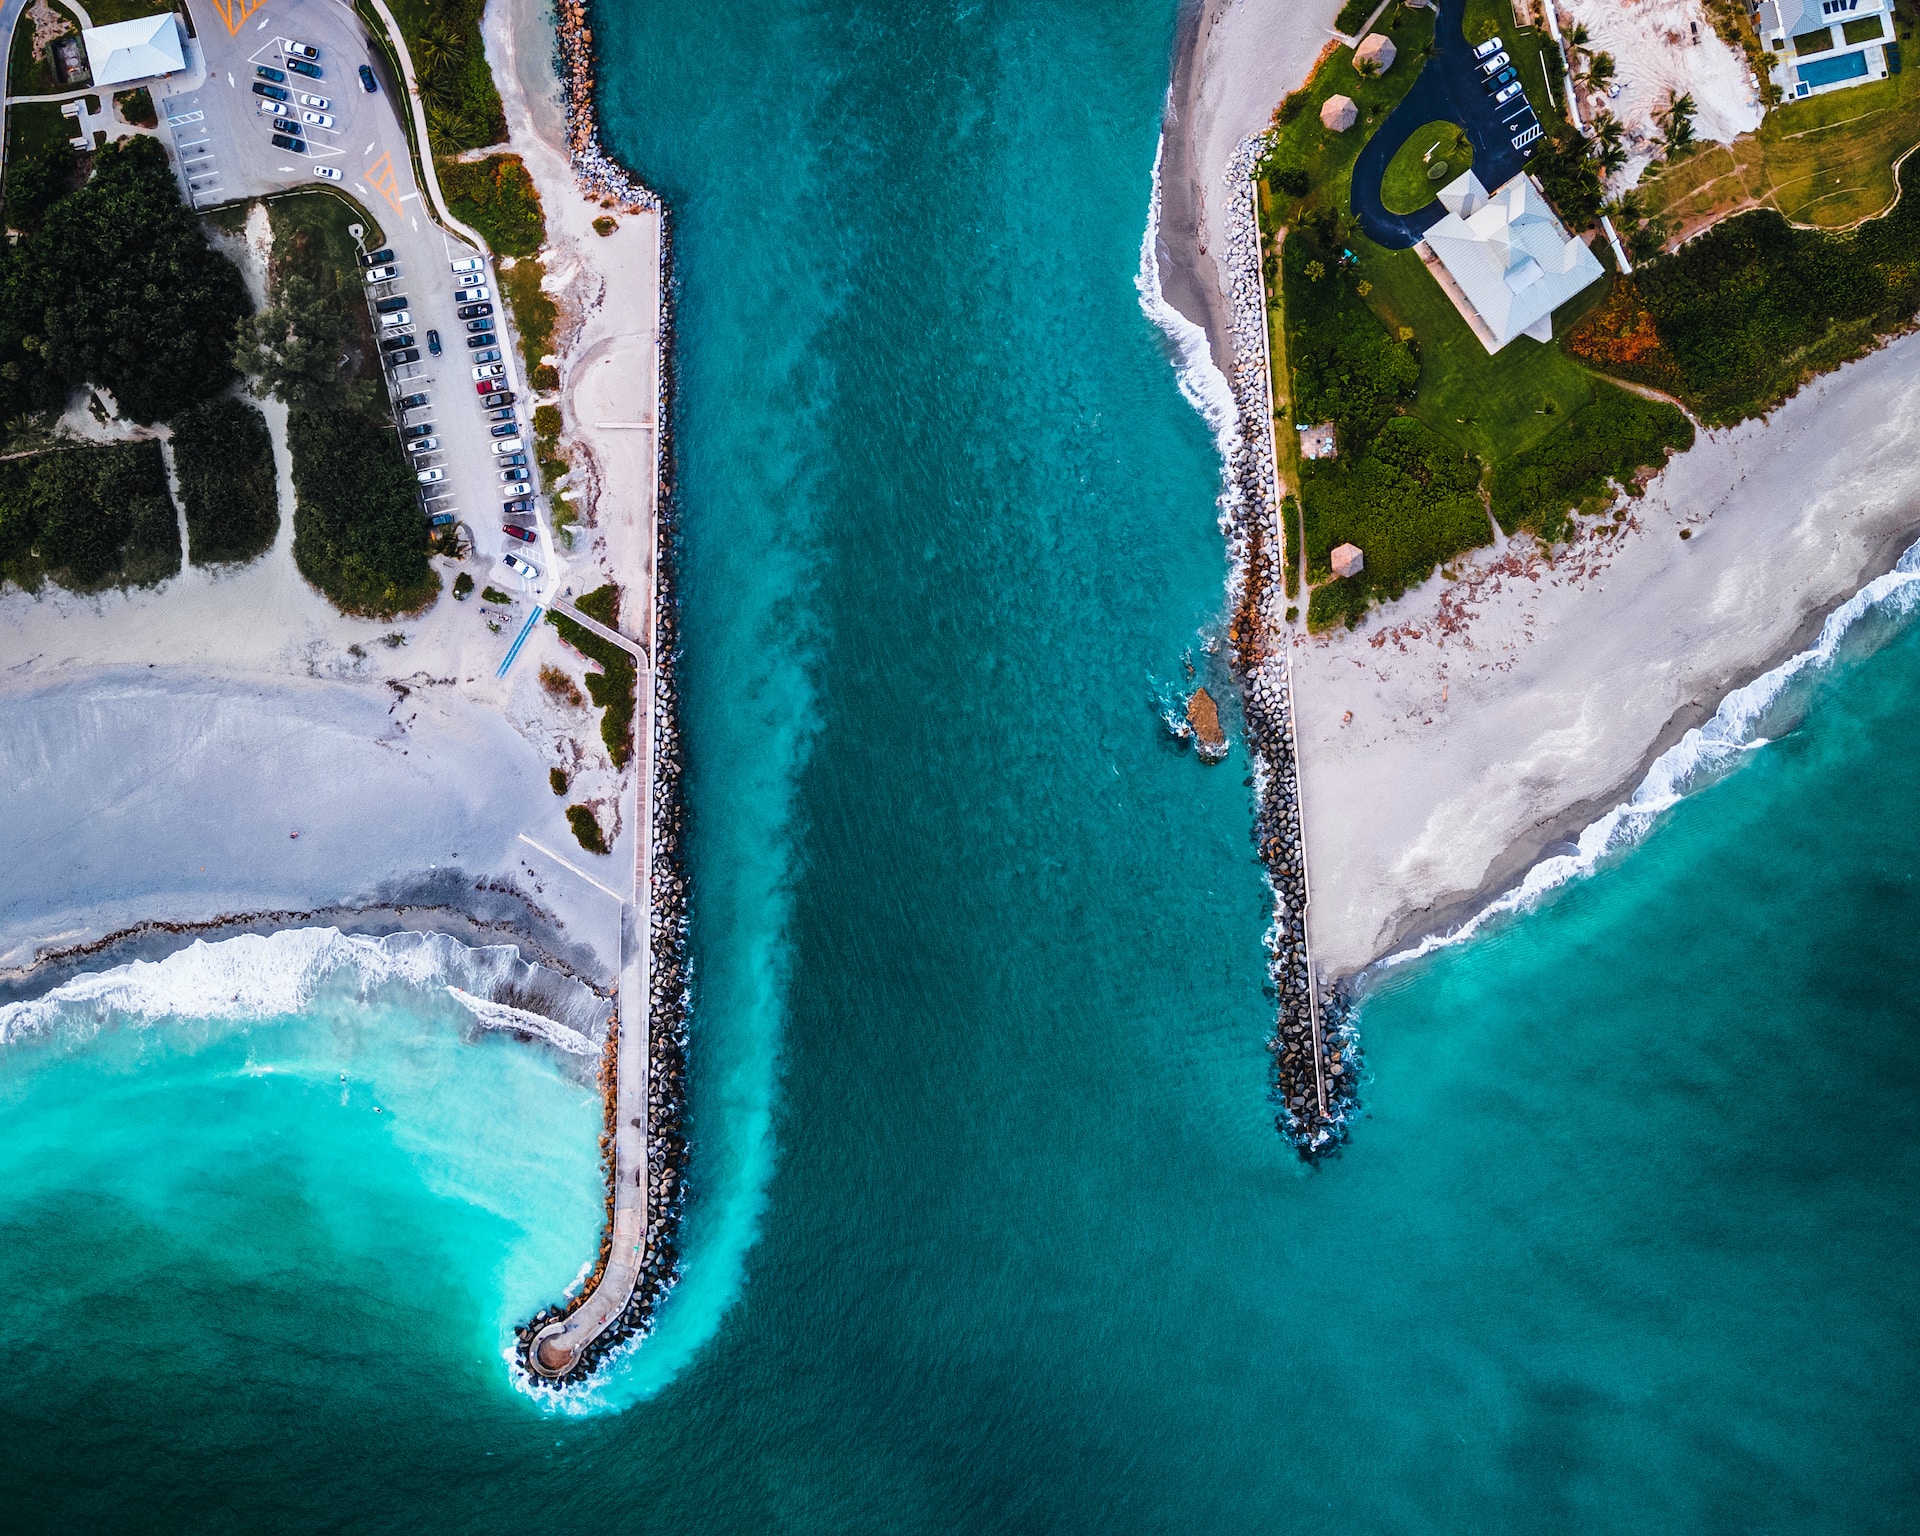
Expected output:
(382, 179)
(235, 12)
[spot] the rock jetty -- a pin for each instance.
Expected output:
(1315, 1050)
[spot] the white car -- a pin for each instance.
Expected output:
(326, 173)
(517, 489)
(431, 476)
(274, 109)
(382, 274)
(508, 445)
(489, 371)
(470, 295)
(468, 264)
(423, 445)
(398, 317)
(308, 99)
(525, 569)
(300, 49)
(318, 119)
(1487, 49)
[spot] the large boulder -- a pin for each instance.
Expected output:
(1375, 55)
(1338, 113)
(1347, 560)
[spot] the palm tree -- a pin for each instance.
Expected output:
(1608, 149)
(1676, 123)
(1599, 71)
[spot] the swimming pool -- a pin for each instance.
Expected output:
(1846, 66)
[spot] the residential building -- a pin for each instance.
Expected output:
(1828, 45)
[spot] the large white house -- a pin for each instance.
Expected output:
(1828, 45)
(144, 48)
(1505, 259)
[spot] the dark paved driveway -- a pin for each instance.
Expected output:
(1448, 90)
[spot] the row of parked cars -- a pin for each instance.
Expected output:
(1501, 77)
(474, 308)
(292, 112)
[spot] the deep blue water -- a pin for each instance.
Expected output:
(991, 1227)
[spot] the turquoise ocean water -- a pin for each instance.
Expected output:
(991, 1228)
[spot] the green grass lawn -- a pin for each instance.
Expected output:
(35, 127)
(106, 12)
(1423, 165)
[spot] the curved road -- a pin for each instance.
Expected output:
(1448, 90)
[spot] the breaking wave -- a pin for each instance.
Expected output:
(1201, 382)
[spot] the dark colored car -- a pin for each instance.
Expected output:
(271, 92)
(473, 311)
(506, 415)
(277, 76)
(395, 359)
(518, 508)
(1505, 78)
(302, 67)
(505, 429)
(479, 325)
(433, 342)
(424, 429)
(388, 306)
(412, 402)
(395, 343)
(367, 82)
(377, 258)
(511, 461)
(281, 141)
(482, 339)
(524, 535)
(503, 397)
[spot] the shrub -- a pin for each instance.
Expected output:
(88, 517)
(1292, 180)
(136, 106)
(1609, 441)
(546, 420)
(557, 779)
(462, 585)
(223, 458)
(533, 313)
(604, 225)
(359, 534)
(586, 829)
(495, 595)
(613, 687)
(497, 197)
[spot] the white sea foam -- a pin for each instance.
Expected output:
(1205, 387)
(276, 974)
(1696, 758)
(494, 1015)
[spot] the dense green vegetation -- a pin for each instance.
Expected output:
(586, 829)
(35, 182)
(1735, 321)
(1432, 157)
(359, 534)
(496, 196)
(456, 87)
(1577, 467)
(534, 313)
(223, 460)
(118, 288)
(136, 107)
(88, 518)
(1352, 14)
(613, 687)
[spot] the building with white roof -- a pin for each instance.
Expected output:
(141, 49)
(1505, 259)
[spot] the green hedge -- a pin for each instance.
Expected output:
(88, 518)
(223, 459)
(359, 533)
(1610, 440)
(497, 197)
(613, 687)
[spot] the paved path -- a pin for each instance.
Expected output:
(562, 605)
(1447, 90)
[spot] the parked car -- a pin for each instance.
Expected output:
(367, 82)
(388, 306)
(491, 355)
(318, 119)
(398, 317)
(473, 311)
(489, 371)
(521, 508)
(326, 173)
(412, 402)
(521, 568)
(307, 99)
(486, 386)
(468, 295)
(424, 445)
(302, 67)
(1506, 93)
(503, 397)
(1493, 64)
(294, 146)
(441, 519)
(505, 429)
(468, 264)
(375, 258)
(506, 415)
(507, 459)
(1489, 47)
(524, 535)
(517, 489)
(433, 342)
(397, 359)
(273, 109)
(1506, 77)
(278, 77)
(431, 476)
(271, 92)
(422, 429)
(383, 274)
(301, 50)
(508, 445)
(484, 339)
(395, 343)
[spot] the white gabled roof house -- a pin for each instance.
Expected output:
(141, 49)
(1827, 45)
(1505, 259)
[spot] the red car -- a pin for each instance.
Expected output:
(524, 535)
(486, 386)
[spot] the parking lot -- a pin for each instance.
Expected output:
(223, 134)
